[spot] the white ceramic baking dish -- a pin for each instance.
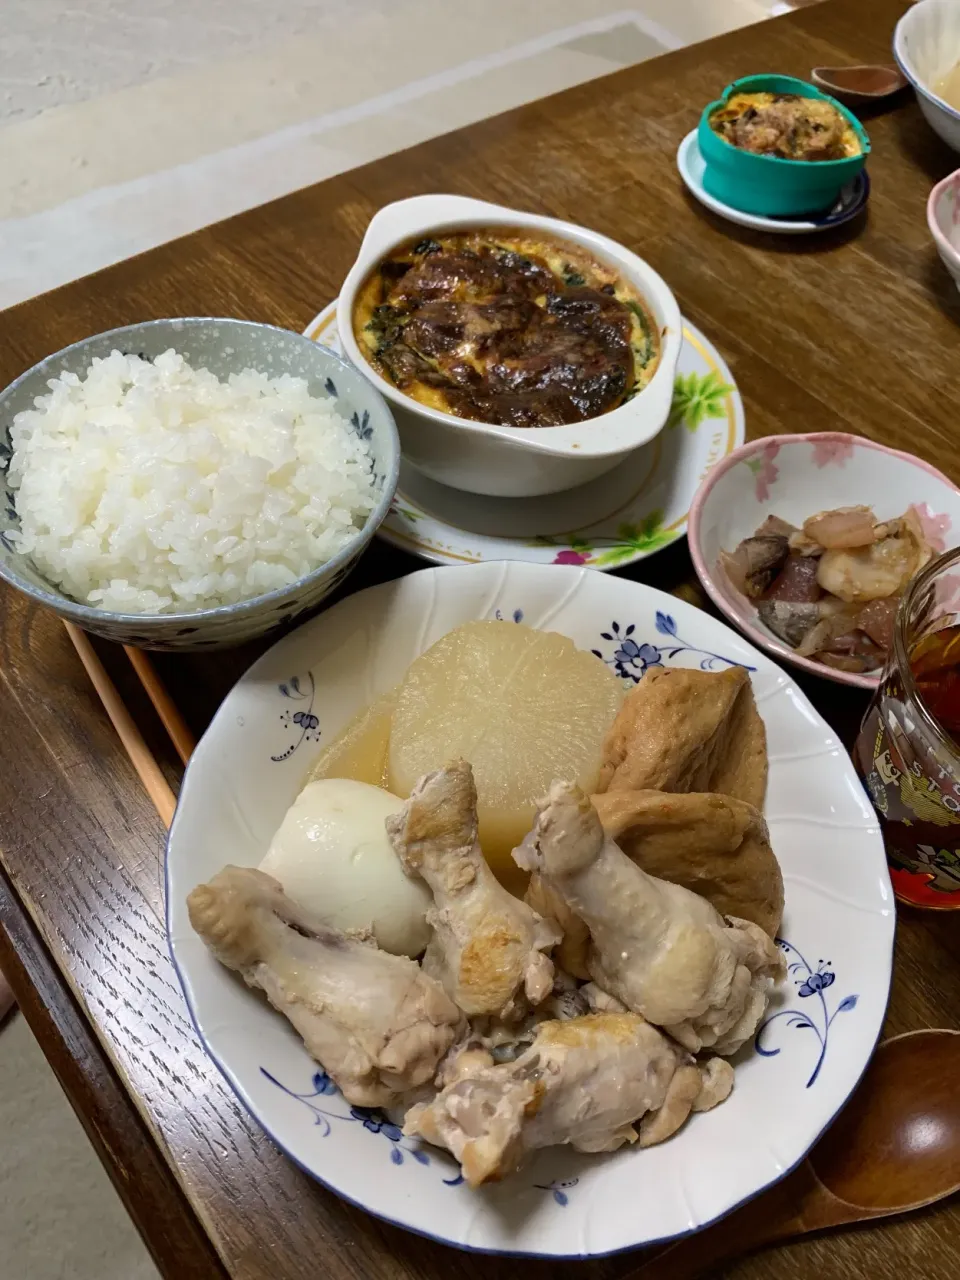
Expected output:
(513, 462)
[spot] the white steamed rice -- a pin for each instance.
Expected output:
(158, 488)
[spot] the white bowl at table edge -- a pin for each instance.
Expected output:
(942, 118)
(514, 462)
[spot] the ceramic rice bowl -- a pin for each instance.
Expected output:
(224, 347)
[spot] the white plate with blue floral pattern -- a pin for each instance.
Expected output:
(622, 516)
(837, 930)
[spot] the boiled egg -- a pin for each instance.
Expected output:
(331, 854)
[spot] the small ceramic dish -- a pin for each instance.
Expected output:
(851, 201)
(513, 462)
(769, 185)
(926, 45)
(943, 219)
(608, 523)
(223, 347)
(794, 477)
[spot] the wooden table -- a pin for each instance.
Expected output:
(855, 331)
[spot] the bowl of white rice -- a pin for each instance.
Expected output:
(190, 483)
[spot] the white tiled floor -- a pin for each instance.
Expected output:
(124, 124)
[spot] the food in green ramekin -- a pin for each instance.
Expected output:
(777, 146)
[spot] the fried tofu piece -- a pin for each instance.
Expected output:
(682, 730)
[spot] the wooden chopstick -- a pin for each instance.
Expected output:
(168, 711)
(130, 736)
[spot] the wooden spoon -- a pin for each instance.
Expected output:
(895, 1147)
(866, 83)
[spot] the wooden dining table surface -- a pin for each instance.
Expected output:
(853, 330)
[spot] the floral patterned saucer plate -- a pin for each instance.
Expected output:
(623, 516)
(794, 477)
(837, 931)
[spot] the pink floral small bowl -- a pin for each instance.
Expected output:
(943, 219)
(793, 477)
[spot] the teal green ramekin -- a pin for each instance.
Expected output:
(766, 184)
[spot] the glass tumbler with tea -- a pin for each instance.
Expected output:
(908, 751)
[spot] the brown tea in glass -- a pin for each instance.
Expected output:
(908, 751)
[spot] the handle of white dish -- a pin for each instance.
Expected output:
(395, 222)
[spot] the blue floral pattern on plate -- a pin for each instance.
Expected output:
(809, 982)
(631, 657)
(558, 1189)
(303, 721)
(371, 1118)
(376, 1121)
